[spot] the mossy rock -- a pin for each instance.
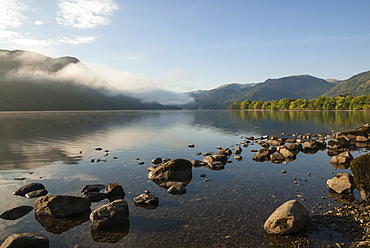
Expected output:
(176, 165)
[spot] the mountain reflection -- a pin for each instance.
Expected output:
(34, 139)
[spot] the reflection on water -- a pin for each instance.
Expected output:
(228, 209)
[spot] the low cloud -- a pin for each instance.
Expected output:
(85, 13)
(145, 88)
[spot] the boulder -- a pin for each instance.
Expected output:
(198, 163)
(338, 143)
(146, 200)
(361, 139)
(225, 151)
(274, 142)
(286, 152)
(61, 206)
(310, 145)
(36, 193)
(277, 157)
(360, 168)
(157, 160)
(26, 240)
(215, 162)
(114, 191)
(238, 150)
(110, 216)
(16, 213)
(342, 158)
(289, 218)
(173, 170)
(363, 130)
(342, 183)
(29, 188)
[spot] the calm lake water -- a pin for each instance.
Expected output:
(55, 149)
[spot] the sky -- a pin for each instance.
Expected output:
(185, 45)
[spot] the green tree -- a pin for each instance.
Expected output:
(245, 104)
(360, 102)
(299, 104)
(235, 105)
(284, 103)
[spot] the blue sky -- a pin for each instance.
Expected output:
(184, 45)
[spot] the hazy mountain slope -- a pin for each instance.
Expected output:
(357, 85)
(293, 87)
(31, 81)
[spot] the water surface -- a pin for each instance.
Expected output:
(56, 148)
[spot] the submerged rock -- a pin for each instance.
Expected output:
(26, 240)
(16, 212)
(289, 218)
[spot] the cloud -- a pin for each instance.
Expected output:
(11, 14)
(85, 13)
(143, 87)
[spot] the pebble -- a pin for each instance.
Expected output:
(208, 179)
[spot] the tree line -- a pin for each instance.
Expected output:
(342, 102)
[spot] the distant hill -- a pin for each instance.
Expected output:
(31, 81)
(294, 87)
(357, 85)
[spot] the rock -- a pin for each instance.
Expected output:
(286, 152)
(360, 168)
(28, 188)
(110, 216)
(310, 145)
(225, 151)
(361, 139)
(95, 196)
(92, 188)
(198, 163)
(61, 206)
(289, 218)
(338, 143)
(263, 154)
(191, 145)
(342, 158)
(294, 147)
(238, 150)
(215, 162)
(114, 191)
(16, 213)
(361, 244)
(277, 157)
(274, 142)
(177, 190)
(342, 183)
(203, 175)
(173, 170)
(363, 130)
(147, 201)
(26, 240)
(157, 161)
(238, 157)
(36, 193)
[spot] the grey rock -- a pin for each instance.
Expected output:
(110, 216)
(16, 213)
(61, 206)
(28, 188)
(289, 218)
(26, 240)
(342, 183)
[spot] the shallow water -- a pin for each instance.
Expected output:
(55, 148)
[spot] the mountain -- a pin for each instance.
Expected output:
(293, 87)
(31, 81)
(357, 85)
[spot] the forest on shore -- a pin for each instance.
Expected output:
(341, 102)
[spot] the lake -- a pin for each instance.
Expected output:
(229, 210)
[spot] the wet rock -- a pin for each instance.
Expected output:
(16, 213)
(157, 161)
(238, 150)
(147, 201)
(95, 196)
(92, 188)
(191, 145)
(289, 218)
(274, 142)
(342, 183)
(225, 152)
(363, 130)
(294, 147)
(112, 235)
(28, 188)
(263, 154)
(26, 240)
(110, 216)
(58, 225)
(361, 139)
(287, 153)
(277, 157)
(114, 191)
(198, 163)
(215, 162)
(238, 157)
(339, 143)
(173, 170)
(360, 168)
(61, 206)
(310, 145)
(36, 193)
(342, 158)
